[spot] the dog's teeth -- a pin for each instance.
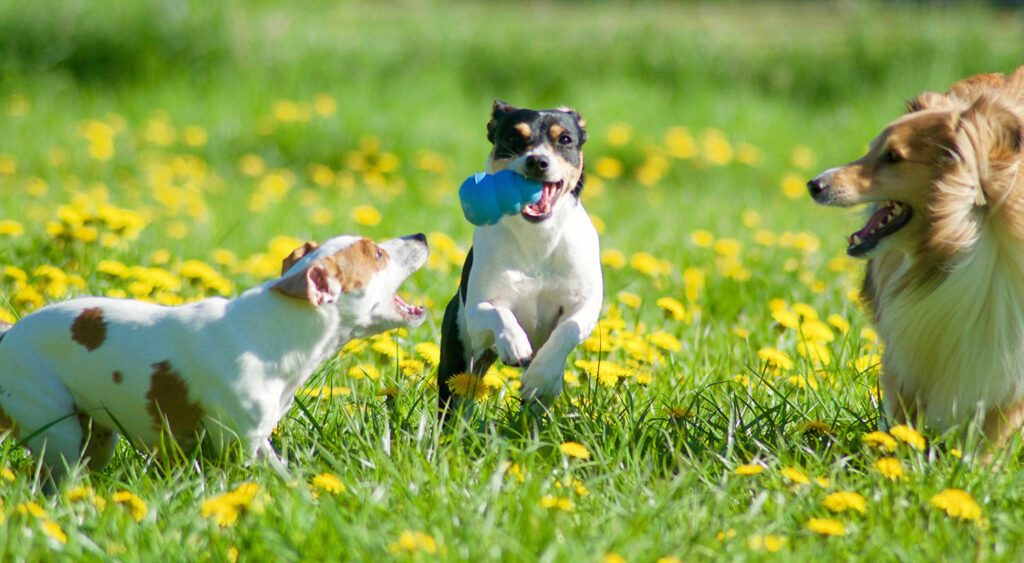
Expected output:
(897, 208)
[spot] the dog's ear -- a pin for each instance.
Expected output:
(499, 110)
(297, 255)
(928, 100)
(999, 128)
(314, 284)
(578, 117)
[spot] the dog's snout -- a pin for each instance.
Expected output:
(419, 237)
(815, 186)
(537, 164)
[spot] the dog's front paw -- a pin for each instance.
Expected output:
(515, 350)
(541, 388)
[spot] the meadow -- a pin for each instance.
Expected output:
(725, 409)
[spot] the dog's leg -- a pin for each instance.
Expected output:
(542, 380)
(489, 325)
(454, 356)
(45, 415)
(97, 442)
(265, 452)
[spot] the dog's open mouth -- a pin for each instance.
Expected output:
(542, 209)
(889, 217)
(407, 311)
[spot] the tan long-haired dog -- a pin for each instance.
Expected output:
(945, 243)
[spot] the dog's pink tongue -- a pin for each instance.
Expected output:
(547, 198)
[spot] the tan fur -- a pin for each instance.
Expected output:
(524, 130)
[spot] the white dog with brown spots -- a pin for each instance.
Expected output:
(75, 374)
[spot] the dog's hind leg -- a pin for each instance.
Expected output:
(45, 415)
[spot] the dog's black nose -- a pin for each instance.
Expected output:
(815, 187)
(536, 164)
(418, 236)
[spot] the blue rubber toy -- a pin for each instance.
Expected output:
(487, 197)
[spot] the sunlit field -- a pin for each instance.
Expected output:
(726, 407)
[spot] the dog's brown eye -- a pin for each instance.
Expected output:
(380, 254)
(565, 140)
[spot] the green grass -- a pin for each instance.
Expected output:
(661, 478)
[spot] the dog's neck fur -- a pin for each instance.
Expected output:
(960, 336)
(315, 333)
(538, 239)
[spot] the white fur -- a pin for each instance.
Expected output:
(959, 344)
(242, 359)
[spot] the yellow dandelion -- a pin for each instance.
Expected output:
(225, 509)
(775, 359)
(795, 475)
(32, 508)
(793, 185)
(881, 440)
(909, 436)
(702, 238)
(613, 258)
(679, 142)
(748, 469)
(429, 351)
(575, 449)
(136, 507)
(649, 265)
(843, 501)
(629, 299)
(825, 527)
(11, 228)
(612, 558)
(366, 215)
(957, 504)
(840, 323)
(769, 543)
(411, 542)
(469, 385)
(608, 167)
(561, 503)
(890, 468)
(364, 370)
(54, 530)
(786, 318)
(6, 474)
(672, 307)
(324, 105)
(717, 149)
(327, 483)
(665, 341)
(728, 247)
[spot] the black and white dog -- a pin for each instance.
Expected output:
(531, 287)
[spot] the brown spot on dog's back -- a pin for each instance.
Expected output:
(89, 328)
(168, 405)
(117, 377)
(355, 265)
